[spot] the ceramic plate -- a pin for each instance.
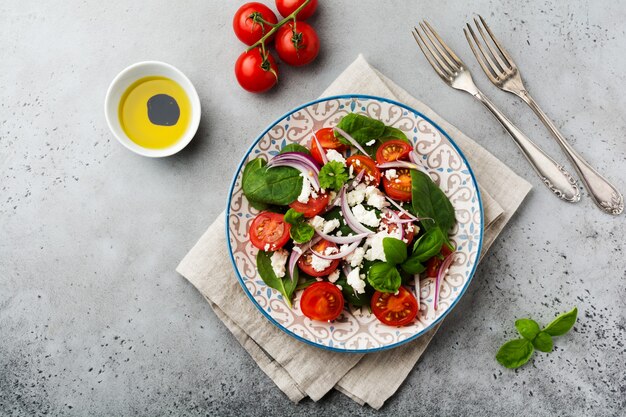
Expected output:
(357, 330)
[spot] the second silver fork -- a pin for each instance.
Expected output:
(454, 73)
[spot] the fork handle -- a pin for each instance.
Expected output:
(553, 175)
(603, 193)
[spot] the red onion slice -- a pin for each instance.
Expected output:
(401, 210)
(343, 239)
(356, 180)
(297, 253)
(299, 156)
(440, 275)
(398, 164)
(418, 291)
(351, 221)
(319, 148)
(351, 140)
(347, 251)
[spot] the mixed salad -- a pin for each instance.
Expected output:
(349, 229)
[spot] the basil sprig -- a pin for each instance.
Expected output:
(301, 231)
(516, 353)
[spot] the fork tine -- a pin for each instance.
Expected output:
(501, 65)
(430, 60)
(445, 46)
(505, 54)
(449, 68)
(478, 56)
(452, 65)
(492, 66)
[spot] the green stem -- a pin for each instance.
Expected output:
(277, 26)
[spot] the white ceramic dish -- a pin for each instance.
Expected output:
(131, 74)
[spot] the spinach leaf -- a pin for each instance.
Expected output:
(428, 245)
(279, 186)
(294, 147)
(286, 286)
(527, 328)
(333, 175)
(392, 133)
(430, 201)
(543, 342)
(515, 353)
(357, 300)
(413, 266)
(395, 250)
(361, 128)
(301, 232)
(384, 277)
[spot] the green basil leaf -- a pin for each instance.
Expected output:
(413, 266)
(515, 353)
(277, 186)
(302, 232)
(286, 286)
(430, 201)
(395, 250)
(361, 128)
(562, 323)
(543, 342)
(392, 133)
(527, 328)
(429, 244)
(293, 216)
(333, 175)
(294, 147)
(384, 277)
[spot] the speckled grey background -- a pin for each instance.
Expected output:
(93, 318)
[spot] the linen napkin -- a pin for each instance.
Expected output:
(298, 369)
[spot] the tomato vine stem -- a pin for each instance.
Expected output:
(292, 16)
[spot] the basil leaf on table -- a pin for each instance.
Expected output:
(302, 232)
(277, 186)
(543, 342)
(515, 353)
(294, 147)
(384, 277)
(361, 128)
(430, 201)
(428, 245)
(395, 250)
(286, 286)
(413, 266)
(333, 175)
(562, 323)
(527, 328)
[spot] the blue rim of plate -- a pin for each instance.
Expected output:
(452, 142)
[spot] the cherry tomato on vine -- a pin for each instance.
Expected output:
(297, 47)
(254, 73)
(248, 22)
(286, 7)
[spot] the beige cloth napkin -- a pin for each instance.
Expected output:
(298, 369)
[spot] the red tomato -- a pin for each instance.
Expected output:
(362, 162)
(433, 264)
(245, 25)
(269, 231)
(304, 263)
(399, 188)
(298, 47)
(322, 301)
(395, 310)
(312, 207)
(392, 150)
(391, 226)
(286, 7)
(326, 138)
(254, 73)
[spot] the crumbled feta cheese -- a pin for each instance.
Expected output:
(374, 244)
(371, 142)
(331, 225)
(319, 264)
(330, 250)
(317, 222)
(391, 174)
(339, 286)
(358, 162)
(356, 257)
(375, 197)
(357, 195)
(339, 233)
(266, 247)
(334, 276)
(306, 190)
(279, 258)
(355, 281)
(351, 172)
(333, 155)
(364, 216)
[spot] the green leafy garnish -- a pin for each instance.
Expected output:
(413, 266)
(276, 186)
(286, 286)
(361, 128)
(384, 277)
(395, 250)
(293, 216)
(392, 133)
(516, 353)
(294, 147)
(333, 175)
(428, 200)
(428, 245)
(301, 231)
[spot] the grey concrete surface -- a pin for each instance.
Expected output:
(95, 321)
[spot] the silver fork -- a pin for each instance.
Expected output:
(503, 73)
(454, 73)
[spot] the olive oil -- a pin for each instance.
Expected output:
(154, 112)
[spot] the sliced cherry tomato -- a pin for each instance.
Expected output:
(313, 206)
(247, 25)
(269, 231)
(362, 162)
(388, 225)
(393, 150)
(297, 47)
(395, 310)
(254, 73)
(304, 263)
(286, 7)
(433, 264)
(322, 301)
(399, 188)
(326, 138)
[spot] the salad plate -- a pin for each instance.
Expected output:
(357, 329)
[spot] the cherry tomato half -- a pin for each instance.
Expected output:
(286, 7)
(313, 206)
(304, 263)
(393, 150)
(433, 264)
(362, 162)
(269, 231)
(399, 188)
(297, 47)
(390, 226)
(322, 301)
(326, 138)
(249, 30)
(395, 310)
(254, 73)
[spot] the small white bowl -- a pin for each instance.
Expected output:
(131, 74)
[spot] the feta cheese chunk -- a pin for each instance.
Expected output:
(391, 174)
(306, 190)
(355, 281)
(279, 259)
(371, 142)
(334, 276)
(364, 216)
(331, 225)
(319, 264)
(317, 223)
(357, 195)
(355, 258)
(333, 155)
(375, 198)
(374, 245)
